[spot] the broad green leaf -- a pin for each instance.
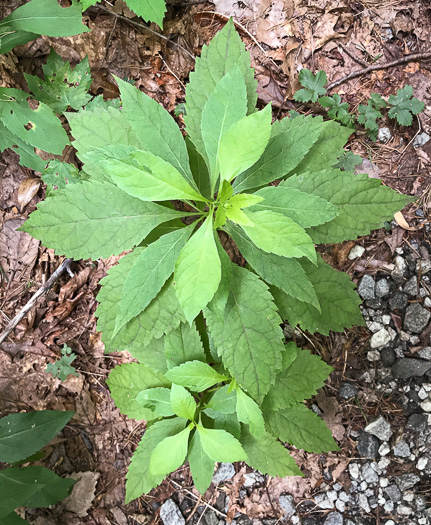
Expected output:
(363, 204)
(338, 301)
(88, 3)
(223, 53)
(151, 270)
(248, 412)
(222, 294)
(300, 427)
(199, 169)
(182, 402)
(201, 466)
(195, 375)
(276, 233)
(305, 209)
(223, 401)
(169, 454)
(226, 105)
(404, 106)
(246, 333)
(126, 381)
(290, 142)
(145, 176)
(28, 157)
(161, 316)
(152, 355)
(10, 38)
(149, 10)
(92, 220)
(267, 455)
(138, 479)
(183, 344)
(13, 518)
(221, 446)
(38, 127)
(100, 102)
(244, 142)
(235, 204)
(286, 274)
(156, 130)
(299, 381)
(289, 355)
(31, 487)
(59, 175)
(337, 110)
(236, 215)
(22, 435)
(157, 400)
(313, 86)
(62, 87)
(198, 271)
(227, 422)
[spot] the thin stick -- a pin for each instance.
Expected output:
(63, 268)
(143, 26)
(352, 56)
(376, 67)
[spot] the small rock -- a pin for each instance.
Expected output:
(323, 502)
(417, 422)
(416, 318)
(393, 492)
(355, 252)
(423, 266)
(386, 319)
(420, 140)
(340, 505)
(223, 473)
(369, 474)
(407, 481)
(363, 502)
(380, 428)
(427, 302)
(422, 463)
(332, 495)
(367, 287)
(374, 303)
(347, 391)
(334, 518)
(387, 356)
(426, 405)
(373, 326)
(400, 269)
(287, 503)
(252, 478)
(385, 134)
(405, 368)
(170, 514)
(354, 470)
(380, 338)
(382, 288)
(402, 450)
(411, 286)
(384, 449)
(398, 301)
(368, 446)
(373, 356)
(425, 353)
(403, 510)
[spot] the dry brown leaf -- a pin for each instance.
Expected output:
(27, 190)
(401, 221)
(395, 240)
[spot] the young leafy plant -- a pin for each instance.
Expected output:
(404, 106)
(63, 368)
(313, 86)
(337, 110)
(21, 437)
(214, 378)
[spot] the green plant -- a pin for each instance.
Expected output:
(405, 106)
(63, 367)
(149, 10)
(214, 378)
(338, 110)
(21, 437)
(348, 161)
(313, 86)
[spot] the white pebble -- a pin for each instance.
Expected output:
(423, 394)
(422, 463)
(384, 449)
(426, 405)
(355, 252)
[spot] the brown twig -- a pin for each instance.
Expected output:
(376, 67)
(352, 56)
(63, 268)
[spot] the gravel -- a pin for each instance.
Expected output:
(380, 339)
(334, 518)
(380, 428)
(347, 391)
(406, 368)
(170, 514)
(287, 503)
(367, 287)
(407, 481)
(416, 318)
(223, 473)
(398, 301)
(402, 450)
(382, 288)
(356, 251)
(368, 446)
(420, 140)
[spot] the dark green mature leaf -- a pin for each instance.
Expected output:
(169, 454)
(337, 110)
(313, 85)
(223, 401)
(40, 17)
(199, 169)
(224, 52)
(227, 422)
(95, 219)
(244, 330)
(126, 381)
(219, 445)
(59, 175)
(38, 127)
(22, 435)
(338, 300)
(152, 355)
(300, 427)
(348, 161)
(13, 518)
(182, 402)
(195, 375)
(299, 381)
(363, 203)
(139, 481)
(31, 487)
(62, 87)
(267, 455)
(183, 344)
(404, 106)
(28, 157)
(201, 466)
(151, 270)
(149, 10)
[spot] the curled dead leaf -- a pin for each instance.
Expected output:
(27, 190)
(401, 221)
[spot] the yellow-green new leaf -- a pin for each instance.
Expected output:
(219, 445)
(158, 400)
(169, 454)
(201, 466)
(195, 375)
(182, 402)
(249, 412)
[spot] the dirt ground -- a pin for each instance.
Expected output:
(338, 36)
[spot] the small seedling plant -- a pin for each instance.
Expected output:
(21, 438)
(63, 367)
(214, 379)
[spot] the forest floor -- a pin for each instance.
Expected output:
(283, 36)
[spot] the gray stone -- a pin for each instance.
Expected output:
(384, 134)
(403, 510)
(374, 303)
(211, 518)
(402, 450)
(416, 318)
(382, 288)
(387, 356)
(334, 518)
(420, 140)
(380, 428)
(170, 514)
(417, 422)
(223, 473)
(398, 301)
(380, 339)
(368, 446)
(423, 266)
(287, 504)
(367, 287)
(323, 502)
(411, 286)
(252, 478)
(406, 367)
(369, 474)
(400, 269)
(393, 492)
(355, 252)
(347, 391)
(406, 481)
(363, 502)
